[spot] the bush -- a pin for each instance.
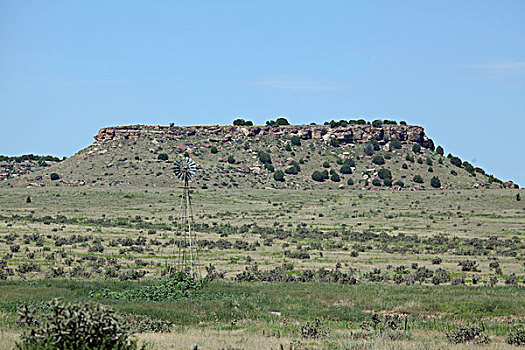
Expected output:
(231, 159)
(288, 147)
(162, 156)
(292, 170)
(318, 176)
(404, 166)
(296, 141)
(387, 182)
(242, 122)
(350, 182)
(278, 122)
(395, 144)
(410, 158)
(434, 182)
(416, 148)
(440, 150)
(349, 162)
(516, 337)
(326, 164)
(346, 169)
(278, 176)
(264, 157)
(334, 143)
(377, 123)
(54, 176)
(73, 326)
(464, 334)
(378, 159)
(213, 150)
(335, 177)
(399, 183)
(418, 179)
(456, 161)
(376, 182)
(468, 265)
(369, 149)
(28, 199)
(270, 167)
(384, 174)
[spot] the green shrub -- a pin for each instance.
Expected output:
(318, 176)
(231, 159)
(384, 174)
(350, 182)
(54, 176)
(410, 158)
(278, 122)
(416, 148)
(326, 164)
(278, 176)
(395, 144)
(418, 179)
(387, 182)
(453, 172)
(516, 337)
(334, 143)
(430, 169)
(369, 149)
(377, 123)
(242, 122)
(162, 156)
(213, 150)
(456, 161)
(464, 334)
(82, 326)
(378, 159)
(404, 166)
(264, 157)
(270, 167)
(292, 170)
(376, 182)
(346, 169)
(349, 162)
(288, 147)
(296, 141)
(440, 150)
(434, 182)
(399, 183)
(335, 177)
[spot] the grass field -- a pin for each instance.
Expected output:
(406, 251)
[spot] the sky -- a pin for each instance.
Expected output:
(457, 68)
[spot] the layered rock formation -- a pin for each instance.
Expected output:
(349, 134)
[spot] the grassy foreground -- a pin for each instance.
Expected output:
(270, 315)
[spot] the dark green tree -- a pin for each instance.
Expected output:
(378, 159)
(440, 150)
(434, 182)
(318, 176)
(278, 176)
(418, 179)
(416, 148)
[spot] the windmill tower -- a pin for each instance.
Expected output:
(188, 255)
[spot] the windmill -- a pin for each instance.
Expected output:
(188, 256)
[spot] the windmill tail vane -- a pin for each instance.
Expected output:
(188, 254)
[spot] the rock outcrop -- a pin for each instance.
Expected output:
(348, 134)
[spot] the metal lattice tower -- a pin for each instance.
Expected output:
(188, 253)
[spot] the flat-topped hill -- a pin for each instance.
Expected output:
(305, 157)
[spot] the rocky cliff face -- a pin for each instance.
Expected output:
(349, 134)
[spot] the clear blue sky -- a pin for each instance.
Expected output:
(68, 68)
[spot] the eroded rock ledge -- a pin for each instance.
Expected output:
(349, 134)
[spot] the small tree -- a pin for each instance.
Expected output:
(350, 182)
(213, 150)
(335, 177)
(318, 176)
(518, 198)
(162, 156)
(384, 174)
(377, 123)
(231, 159)
(416, 148)
(440, 150)
(418, 179)
(326, 164)
(54, 176)
(378, 159)
(395, 144)
(264, 157)
(28, 199)
(278, 176)
(296, 141)
(346, 169)
(434, 182)
(376, 182)
(456, 161)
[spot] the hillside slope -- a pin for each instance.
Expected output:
(249, 157)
